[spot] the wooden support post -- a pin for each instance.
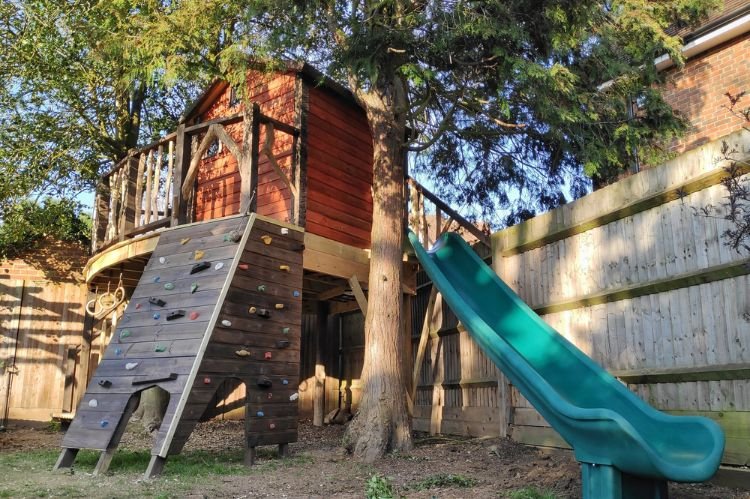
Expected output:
(66, 458)
(155, 467)
(283, 450)
(250, 455)
(359, 294)
(249, 160)
(181, 165)
(406, 327)
(105, 458)
(426, 329)
(506, 405)
(299, 163)
(71, 352)
(320, 370)
(13, 298)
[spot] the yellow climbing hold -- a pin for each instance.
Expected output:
(199, 254)
(285, 268)
(252, 310)
(279, 306)
(184, 240)
(242, 353)
(266, 239)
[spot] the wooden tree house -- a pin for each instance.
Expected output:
(280, 196)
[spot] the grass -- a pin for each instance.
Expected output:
(532, 493)
(444, 480)
(29, 473)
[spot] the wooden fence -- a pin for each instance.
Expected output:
(638, 277)
(43, 354)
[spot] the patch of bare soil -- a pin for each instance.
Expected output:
(320, 468)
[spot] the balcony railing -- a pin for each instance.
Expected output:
(155, 186)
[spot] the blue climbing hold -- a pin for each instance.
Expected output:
(157, 278)
(295, 293)
(260, 414)
(118, 351)
(157, 315)
(284, 381)
(103, 423)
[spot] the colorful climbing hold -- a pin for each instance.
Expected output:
(157, 279)
(118, 351)
(262, 312)
(260, 414)
(160, 348)
(242, 353)
(169, 286)
(295, 293)
(193, 287)
(219, 266)
(270, 395)
(284, 268)
(267, 356)
(284, 231)
(103, 423)
(105, 383)
(266, 239)
(206, 381)
(235, 235)
(175, 315)
(193, 315)
(282, 344)
(125, 333)
(262, 288)
(293, 397)
(93, 403)
(226, 323)
(157, 316)
(279, 306)
(284, 381)
(131, 365)
(285, 330)
(272, 426)
(157, 301)
(184, 240)
(243, 266)
(264, 382)
(162, 260)
(200, 267)
(137, 306)
(252, 310)
(198, 254)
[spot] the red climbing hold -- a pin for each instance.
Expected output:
(206, 381)
(243, 266)
(193, 315)
(267, 355)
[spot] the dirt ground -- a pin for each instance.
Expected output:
(318, 467)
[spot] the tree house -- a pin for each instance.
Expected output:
(297, 163)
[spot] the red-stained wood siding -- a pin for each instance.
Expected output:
(218, 192)
(339, 170)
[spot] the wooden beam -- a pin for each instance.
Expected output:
(321, 325)
(332, 293)
(299, 162)
(684, 374)
(359, 295)
(694, 278)
(335, 259)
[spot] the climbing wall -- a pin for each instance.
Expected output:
(217, 300)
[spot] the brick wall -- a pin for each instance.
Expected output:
(697, 92)
(51, 260)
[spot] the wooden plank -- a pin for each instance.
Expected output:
(423, 337)
(538, 436)
(359, 295)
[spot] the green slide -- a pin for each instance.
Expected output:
(627, 449)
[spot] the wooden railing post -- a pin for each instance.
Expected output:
(129, 208)
(254, 146)
(181, 165)
(101, 216)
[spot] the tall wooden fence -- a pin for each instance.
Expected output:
(637, 275)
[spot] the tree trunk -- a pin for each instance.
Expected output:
(382, 423)
(151, 408)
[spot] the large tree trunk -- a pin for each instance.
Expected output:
(382, 423)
